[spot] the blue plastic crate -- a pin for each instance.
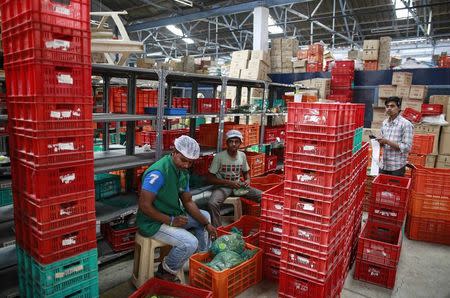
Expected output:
(58, 276)
(6, 197)
(167, 111)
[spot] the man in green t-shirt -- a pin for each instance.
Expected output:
(225, 172)
(163, 217)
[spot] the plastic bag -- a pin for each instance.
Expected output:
(232, 242)
(225, 260)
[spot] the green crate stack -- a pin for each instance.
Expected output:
(357, 139)
(76, 276)
(278, 102)
(6, 197)
(106, 185)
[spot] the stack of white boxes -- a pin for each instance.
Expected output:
(281, 53)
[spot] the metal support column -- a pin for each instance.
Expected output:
(162, 74)
(221, 114)
(105, 141)
(131, 108)
(194, 109)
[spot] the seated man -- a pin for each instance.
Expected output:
(160, 214)
(225, 172)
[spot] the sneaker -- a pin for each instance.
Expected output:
(163, 274)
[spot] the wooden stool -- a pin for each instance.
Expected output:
(144, 259)
(237, 206)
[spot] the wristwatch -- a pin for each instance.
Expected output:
(206, 224)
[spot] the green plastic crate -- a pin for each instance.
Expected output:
(98, 148)
(106, 185)
(277, 102)
(357, 139)
(58, 276)
(85, 289)
(6, 197)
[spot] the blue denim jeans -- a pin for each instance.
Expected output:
(183, 242)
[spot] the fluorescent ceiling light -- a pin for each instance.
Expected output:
(403, 12)
(274, 29)
(188, 40)
(185, 2)
(154, 54)
(175, 30)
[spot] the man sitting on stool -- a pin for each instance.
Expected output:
(160, 214)
(396, 139)
(225, 172)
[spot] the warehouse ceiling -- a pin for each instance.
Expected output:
(218, 27)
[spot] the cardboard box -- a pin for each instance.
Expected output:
(444, 100)
(145, 63)
(299, 69)
(379, 114)
(241, 55)
(384, 66)
(402, 91)
(385, 91)
(238, 64)
(430, 129)
(370, 55)
(371, 44)
(418, 92)
(299, 63)
(323, 85)
(395, 61)
(234, 73)
(411, 103)
(444, 141)
(443, 161)
(352, 54)
(260, 55)
(430, 162)
(401, 78)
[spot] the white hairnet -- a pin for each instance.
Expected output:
(234, 134)
(187, 146)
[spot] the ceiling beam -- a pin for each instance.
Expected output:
(219, 11)
(414, 14)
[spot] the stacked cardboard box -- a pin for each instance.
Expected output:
(281, 53)
(443, 159)
(239, 60)
(300, 62)
(384, 55)
(379, 114)
(370, 54)
(315, 58)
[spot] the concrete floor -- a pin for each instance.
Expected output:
(424, 271)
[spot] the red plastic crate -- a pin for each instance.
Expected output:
(71, 14)
(429, 230)
(328, 191)
(294, 285)
(314, 67)
(182, 102)
(375, 274)
(169, 136)
(309, 262)
(341, 81)
(271, 268)
(120, 239)
(53, 214)
(270, 246)
(118, 98)
(312, 235)
(270, 163)
(343, 67)
(53, 147)
(52, 181)
(202, 164)
(207, 135)
(264, 183)
(156, 286)
(48, 79)
(432, 109)
(380, 243)
(271, 228)
(272, 202)
(320, 149)
(391, 190)
(321, 114)
(315, 207)
(388, 214)
(256, 162)
(430, 207)
(211, 105)
(58, 244)
(371, 65)
(41, 42)
(340, 98)
(344, 92)
(422, 144)
(412, 115)
(250, 207)
(249, 225)
(317, 175)
(42, 115)
(433, 182)
(274, 133)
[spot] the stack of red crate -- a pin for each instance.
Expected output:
(342, 75)
(315, 58)
(429, 210)
(381, 239)
(323, 194)
(118, 99)
(47, 52)
(422, 146)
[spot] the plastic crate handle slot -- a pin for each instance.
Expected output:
(67, 208)
(395, 182)
(300, 259)
(70, 269)
(310, 148)
(70, 239)
(307, 176)
(277, 229)
(305, 204)
(276, 251)
(278, 206)
(377, 249)
(386, 212)
(68, 146)
(374, 271)
(304, 233)
(302, 285)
